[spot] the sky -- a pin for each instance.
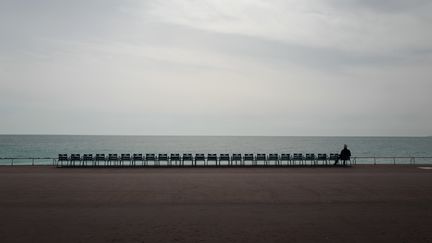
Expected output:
(216, 67)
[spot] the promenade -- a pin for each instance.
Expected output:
(364, 203)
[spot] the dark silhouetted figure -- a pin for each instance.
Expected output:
(345, 155)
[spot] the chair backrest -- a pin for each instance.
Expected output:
(297, 156)
(62, 157)
(285, 157)
(334, 156)
(88, 157)
(273, 157)
(175, 157)
(187, 157)
(125, 157)
(100, 157)
(249, 157)
(212, 157)
(150, 157)
(224, 157)
(162, 157)
(199, 157)
(236, 157)
(322, 156)
(75, 157)
(137, 157)
(261, 157)
(112, 157)
(310, 156)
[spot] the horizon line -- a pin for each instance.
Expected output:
(207, 135)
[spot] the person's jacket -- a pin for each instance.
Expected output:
(345, 154)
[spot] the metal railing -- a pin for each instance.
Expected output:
(371, 160)
(28, 161)
(407, 160)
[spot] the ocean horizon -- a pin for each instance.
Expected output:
(25, 146)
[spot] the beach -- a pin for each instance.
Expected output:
(364, 203)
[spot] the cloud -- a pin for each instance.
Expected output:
(312, 23)
(389, 6)
(216, 67)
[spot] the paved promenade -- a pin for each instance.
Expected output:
(358, 204)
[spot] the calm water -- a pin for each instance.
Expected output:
(51, 145)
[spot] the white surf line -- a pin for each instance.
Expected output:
(425, 168)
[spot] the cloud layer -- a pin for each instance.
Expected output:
(253, 67)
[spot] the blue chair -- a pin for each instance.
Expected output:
(224, 157)
(163, 157)
(310, 158)
(187, 157)
(176, 158)
(150, 157)
(323, 158)
(137, 157)
(62, 158)
(236, 158)
(199, 157)
(212, 157)
(297, 158)
(74, 158)
(87, 158)
(249, 157)
(274, 158)
(112, 159)
(285, 157)
(100, 158)
(333, 158)
(261, 157)
(125, 157)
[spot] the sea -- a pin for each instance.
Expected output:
(49, 146)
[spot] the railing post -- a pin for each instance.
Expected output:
(32, 161)
(394, 161)
(12, 160)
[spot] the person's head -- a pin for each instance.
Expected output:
(345, 146)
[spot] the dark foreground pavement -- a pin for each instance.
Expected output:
(359, 204)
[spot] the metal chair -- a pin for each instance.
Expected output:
(163, 157)
(150, 157)
(212, 157)
(274, 158)
(236, 158)
(74, 158)
(333, 158)
(261, 157)
(187, 157)
(224, 157)
(137, 157)
(248, 157)
(285, 157)
(87, 158)
(62, 158)
(176, 158)
(112, 159)
(125, 157)
(199, 157)
(323, 158)
(100, 158)
(310, 158)
(297, 158)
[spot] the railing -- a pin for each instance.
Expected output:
(29, 161)
(391, 160)
(371, 160)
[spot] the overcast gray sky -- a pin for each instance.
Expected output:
(216, 67)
